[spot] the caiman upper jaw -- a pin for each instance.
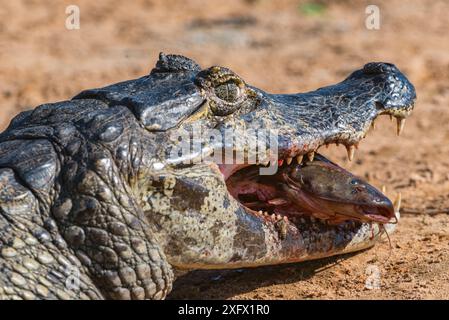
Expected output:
(341, 113)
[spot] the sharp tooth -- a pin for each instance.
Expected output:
(384, 189)
(280, 163)
(397, 202)
(351, 151)
(311, 155)
(401, 123)
(260, 212)
(273, 216)
(299, 159)
(289, 160)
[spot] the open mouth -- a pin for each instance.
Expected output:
(309, 188)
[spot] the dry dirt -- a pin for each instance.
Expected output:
(282, 46)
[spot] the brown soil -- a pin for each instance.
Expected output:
(279, 47)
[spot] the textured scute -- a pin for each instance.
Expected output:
(49, 115)
(35, 163)
(108, 230)
(35, 262)
(77, 202)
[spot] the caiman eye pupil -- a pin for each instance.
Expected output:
(228, 91)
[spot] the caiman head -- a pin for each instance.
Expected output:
(232, 177)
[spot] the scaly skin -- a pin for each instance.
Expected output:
(87, 187)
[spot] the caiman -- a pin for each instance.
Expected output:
(99, 198)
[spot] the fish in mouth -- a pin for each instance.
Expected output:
(315, 188)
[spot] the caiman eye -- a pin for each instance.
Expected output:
(228, 91)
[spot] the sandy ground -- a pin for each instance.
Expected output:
(282, 46)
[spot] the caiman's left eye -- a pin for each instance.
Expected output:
(228, 91)
(225, 91)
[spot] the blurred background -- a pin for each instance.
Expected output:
(279, 46)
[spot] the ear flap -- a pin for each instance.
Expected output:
(161, 100)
